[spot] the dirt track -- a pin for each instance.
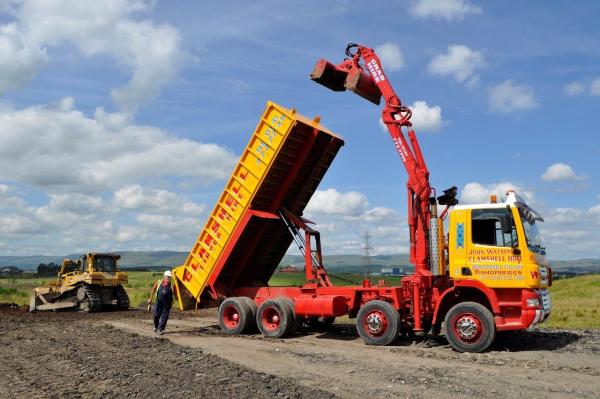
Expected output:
(124, 357)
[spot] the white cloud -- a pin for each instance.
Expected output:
(424, 118)
(150, 52)
(57, 148)
(19, 60)
(343, 218)
(594, 211)
(391, 57)
(574, 88)
(449, 10)
(73, 222)
(477, 193)
(460, 62)
(595, 87)
(136, 197)
(507, 97)
(560, 171)
(75, 203)
(333, 202)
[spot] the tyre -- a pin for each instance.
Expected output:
(275, 317)
(470, 327)
(378, 323)
(235, 315)
(251, 325)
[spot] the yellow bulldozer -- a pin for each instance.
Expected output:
(88, 284)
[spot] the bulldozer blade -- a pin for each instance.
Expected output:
(363, 85)
(329, 75)
(56, 306)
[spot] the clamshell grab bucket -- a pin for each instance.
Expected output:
(341, 78)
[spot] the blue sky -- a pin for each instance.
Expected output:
(120, 120)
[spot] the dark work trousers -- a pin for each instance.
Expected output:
(164, 300)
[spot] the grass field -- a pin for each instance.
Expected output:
(575, 301)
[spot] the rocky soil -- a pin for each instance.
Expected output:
(116, 354)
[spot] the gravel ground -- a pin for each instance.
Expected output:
(71, 355)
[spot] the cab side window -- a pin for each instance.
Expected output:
(486, 228)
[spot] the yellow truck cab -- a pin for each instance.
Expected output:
(496, 248)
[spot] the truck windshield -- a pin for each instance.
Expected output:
(105, 264)
(532, 233)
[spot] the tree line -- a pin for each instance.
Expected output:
(50, 269)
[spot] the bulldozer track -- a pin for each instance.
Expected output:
(122, 297)
(94, 298)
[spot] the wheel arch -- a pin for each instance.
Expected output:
(464, 291)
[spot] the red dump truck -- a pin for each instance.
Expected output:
(487, 274)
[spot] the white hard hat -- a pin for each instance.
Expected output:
(168, 274)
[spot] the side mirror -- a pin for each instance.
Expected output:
(506, 221)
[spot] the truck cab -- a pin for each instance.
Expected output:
(498, 246)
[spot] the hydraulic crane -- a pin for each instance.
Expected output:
(352, 75)
(488, 274)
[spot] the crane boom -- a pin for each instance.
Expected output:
(362, 72)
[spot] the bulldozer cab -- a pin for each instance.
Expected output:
(105, 263)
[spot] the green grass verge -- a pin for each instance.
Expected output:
(575, 301)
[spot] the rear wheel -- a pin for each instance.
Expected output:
(275, 317)
(470, 327)
(251, 325)
(235, 315)
(378, 323)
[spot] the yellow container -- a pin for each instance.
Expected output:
(272, 131)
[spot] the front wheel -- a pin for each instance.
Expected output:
(378, 323)
(470, 327)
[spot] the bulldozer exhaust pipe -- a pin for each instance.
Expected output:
(341, 78)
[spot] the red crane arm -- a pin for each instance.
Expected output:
(395, 115)
(368, 79)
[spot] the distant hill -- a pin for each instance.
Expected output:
(128, 259)
(339, 263)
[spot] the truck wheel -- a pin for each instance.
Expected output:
(251, 324)
(234, 315)
(378, 323)
(275, 318)
(470, 327)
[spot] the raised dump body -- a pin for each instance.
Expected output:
(243, 240)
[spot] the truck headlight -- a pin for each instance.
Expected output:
(533, 302)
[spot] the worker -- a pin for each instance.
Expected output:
(163, 289)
